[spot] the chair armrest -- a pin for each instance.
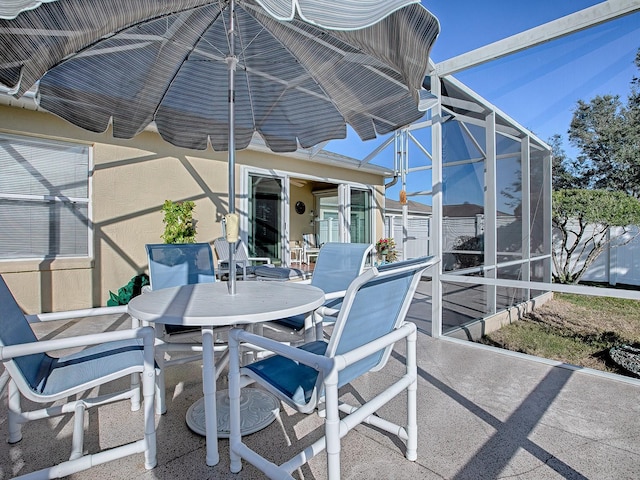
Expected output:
(317, 362)
(334, 295)
(68, 315)
(376, 345)
(225, 264)
(267, 260)
(320, 362)
(43, 346)
(327, 312)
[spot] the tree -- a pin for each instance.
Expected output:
(564, 171)
(607, 132)
(582, 219)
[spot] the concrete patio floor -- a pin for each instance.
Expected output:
(482, 415)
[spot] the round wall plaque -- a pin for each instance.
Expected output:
(300, 207)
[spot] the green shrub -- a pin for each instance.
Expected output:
(178, 220)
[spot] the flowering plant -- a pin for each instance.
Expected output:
(387, 247)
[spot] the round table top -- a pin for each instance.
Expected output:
(209, 304)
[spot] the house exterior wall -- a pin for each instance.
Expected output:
(131, 180)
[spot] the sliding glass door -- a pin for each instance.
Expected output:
(360, 223)
(265, 217)
(344, 215)
(338, 213)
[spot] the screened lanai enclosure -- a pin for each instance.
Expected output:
(496, 209)
(488, 181)
(490, 193)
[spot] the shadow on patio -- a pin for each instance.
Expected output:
(481, 414)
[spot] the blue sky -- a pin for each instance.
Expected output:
(538, 87)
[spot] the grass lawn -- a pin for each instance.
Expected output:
(576, 329)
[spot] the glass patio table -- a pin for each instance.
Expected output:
(209, 305)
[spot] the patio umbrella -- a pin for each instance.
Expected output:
(296, 72)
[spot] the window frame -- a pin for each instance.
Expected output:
(49, 260)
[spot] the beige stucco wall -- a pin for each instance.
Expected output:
(130, 182)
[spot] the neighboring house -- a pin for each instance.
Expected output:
(463, 228)
(77, 208)
(460, 223)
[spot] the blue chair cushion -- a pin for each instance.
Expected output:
(296, 322)
(279, 273)
(59, 374)
(174, 264)
(337, 266)
(293, 379)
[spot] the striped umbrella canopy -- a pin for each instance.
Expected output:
(216, 72)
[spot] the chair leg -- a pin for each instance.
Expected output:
(412, 401)
(221, 363)
(135, 387)
(77, 441)
(161, 401)
(149, 394)
(332, 425)
(15, 409)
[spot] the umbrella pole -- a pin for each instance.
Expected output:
(231, 64)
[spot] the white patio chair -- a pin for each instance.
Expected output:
(45, 379)
(172, 265)
(310, 247)
(338, 264)
(244, 262)
(370, 322)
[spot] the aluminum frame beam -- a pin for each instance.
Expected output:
(575, 22)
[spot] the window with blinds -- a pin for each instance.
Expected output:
(44, 198)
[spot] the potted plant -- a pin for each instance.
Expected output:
(386, 249)
(179, 223)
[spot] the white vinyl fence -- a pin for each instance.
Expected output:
(418, 234)
(619, 263)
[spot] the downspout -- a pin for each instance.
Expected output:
(391, 183)
(391, 219)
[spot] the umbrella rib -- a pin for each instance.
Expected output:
(224, 23)
(350, 57)
(243, 65)
(287, 85)
(184, 59)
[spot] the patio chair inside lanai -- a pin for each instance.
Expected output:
(245, 265)
(370, 322)
(70, 378)
(338, 264)
(172, 265)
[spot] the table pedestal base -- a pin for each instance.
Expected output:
(258, 409)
